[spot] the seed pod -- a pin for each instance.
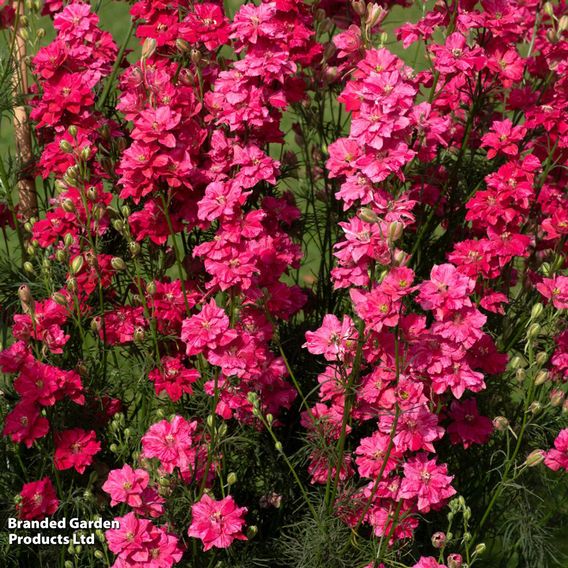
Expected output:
(139, 334)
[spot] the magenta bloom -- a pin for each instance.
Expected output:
(427, 482)
(126, 485)
(557, 457)
(468, 426)
(75, 448)
(38, 500)
(217, 523)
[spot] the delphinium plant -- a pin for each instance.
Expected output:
(284, 283)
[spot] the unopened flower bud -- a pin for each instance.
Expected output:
(375, 15)
(85, 153)
(72, 130)
(117, 263)
(541, 378)
(72, 284)
(536, 457)
(59, 298)
(68, 563)
(60, 255)
(541, 358)
(358, 7)
(252, 531)
(28, 267)
(395, 231)
(68, 239)
(182, 46)
(269, 419)
(279, 447)
(76, 265)
(210, 421)
(535, 407)
(139, 334)
(134, 248)
(68, 205)
(65, 146)
(533, 331)
(222, 430)
(25, 294)
(520, 375)
(92, 193)
(563, 24)
(148, 48)
(113, 448)
(232, 478)
(500, 423)
(536, 311)
(118, 225)
(479, 549)
(455, 561)
(125, 210)
(439, 539)
(195, 56)
(368, 215)
(556, 397)
(548, 9)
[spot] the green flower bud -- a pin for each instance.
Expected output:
(536, 457)
(232, 478)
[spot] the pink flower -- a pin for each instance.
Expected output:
(428, 562)
(206, 329)
(25, 423)
(75, 448)
(556, 290)
(333, 340)
(37, 500)
(427, 482)
(171, 443)
(217, 523)
(132, 538)
(447, 290)
(126, 485)
(557, 457)
(467, 426)
(502, 138)
(173, 378)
